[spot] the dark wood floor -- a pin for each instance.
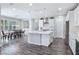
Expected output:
(21, 47)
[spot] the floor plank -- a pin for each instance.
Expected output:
(22, 47)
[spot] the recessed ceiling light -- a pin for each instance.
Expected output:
(30, 4)
(59, 8)
(14, 9)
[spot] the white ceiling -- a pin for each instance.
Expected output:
(23, 10)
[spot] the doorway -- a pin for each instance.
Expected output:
(67, 34)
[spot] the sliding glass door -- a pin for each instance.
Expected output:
(7, 25)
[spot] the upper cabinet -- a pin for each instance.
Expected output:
(76, 16)
(70, 17)
(73, 15)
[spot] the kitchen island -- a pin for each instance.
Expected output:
(44, 38)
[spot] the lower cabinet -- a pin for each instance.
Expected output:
(72, 44)
(42, 38)
(77, 47)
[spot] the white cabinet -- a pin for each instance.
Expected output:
(76, 21)
(51, 24)
(72, 32)
(76, 16)
(73, 29)
(34, 38)
(47, 39)
(40, 37)
(72, 42)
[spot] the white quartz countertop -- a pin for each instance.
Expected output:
(41, 32)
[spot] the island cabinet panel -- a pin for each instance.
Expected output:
(40, 38)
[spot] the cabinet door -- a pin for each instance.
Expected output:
(72, 43)
(76, 18)
(73, 46)
(45, 39)
(76, 23)
(34, 39)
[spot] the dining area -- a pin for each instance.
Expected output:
(7, 36)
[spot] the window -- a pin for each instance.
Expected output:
(1, 24)
(6, 25)
(12, 25)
